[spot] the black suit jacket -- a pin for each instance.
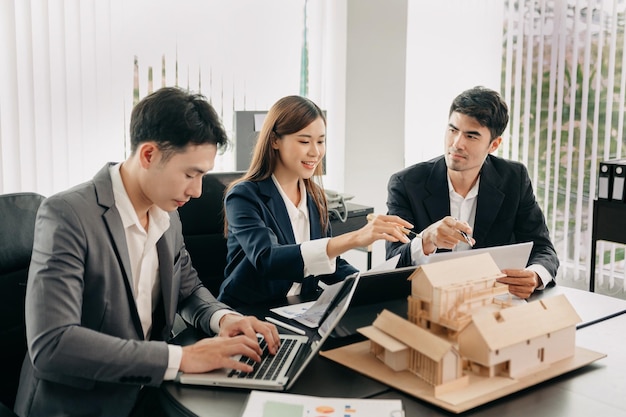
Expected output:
(506, 210)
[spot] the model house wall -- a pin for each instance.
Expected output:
(395, 340)
(516, 340)
(445, 293)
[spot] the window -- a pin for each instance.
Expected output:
(77, 68)
(564, 77)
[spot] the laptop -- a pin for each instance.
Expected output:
(279, 372)
(378, 289)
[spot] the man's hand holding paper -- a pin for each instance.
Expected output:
(521, 282)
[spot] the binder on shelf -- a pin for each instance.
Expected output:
(619, 177)
(612, 180)
(605, 180)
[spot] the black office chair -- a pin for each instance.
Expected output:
(17, 226)
(203, 229)
(6, 412)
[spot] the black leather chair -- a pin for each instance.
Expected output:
(6, 412)
(203, 228)
(17, 225)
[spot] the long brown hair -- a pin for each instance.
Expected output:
(288, 115)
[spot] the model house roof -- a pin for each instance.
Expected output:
(383, 339)
(410, 335)
(524, 322)
(459, 271)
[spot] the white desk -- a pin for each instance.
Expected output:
(590, 308)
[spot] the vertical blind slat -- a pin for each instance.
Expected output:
(582, 148)
(9, 117)
(517, 108)
(560, 95)
(59, 158)
(539, 86)
(42, 104)
(571, 130)
(508, 66)
(595, 132)
(25, 95)
(73, 83)
(528, 85)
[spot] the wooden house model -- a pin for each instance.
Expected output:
(402, 345)
(516, 341)
(444, 294)
(492, 339)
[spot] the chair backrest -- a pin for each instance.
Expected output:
(203, 229)
(6, 411)
(17, 226)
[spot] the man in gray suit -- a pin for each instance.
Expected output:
(109, 271)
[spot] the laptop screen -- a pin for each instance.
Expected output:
(330, 320)
(338, 306)
(377, 290)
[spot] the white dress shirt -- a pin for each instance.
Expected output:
(316, 260)
(144, 261)
(464, 209)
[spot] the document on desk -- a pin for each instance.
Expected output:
(310, 313)
(273, 404)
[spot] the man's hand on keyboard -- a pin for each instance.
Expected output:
(220, 352)
(238, 336)
(234, 324)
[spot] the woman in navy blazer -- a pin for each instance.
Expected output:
(277, 224)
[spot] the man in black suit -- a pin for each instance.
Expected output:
(469, 190)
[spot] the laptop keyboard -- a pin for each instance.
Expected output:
(269, 366)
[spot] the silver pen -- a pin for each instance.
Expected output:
(467, 238)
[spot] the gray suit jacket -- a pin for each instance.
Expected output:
(86, 353)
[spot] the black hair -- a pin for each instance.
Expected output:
(484, 105)
(175, 118)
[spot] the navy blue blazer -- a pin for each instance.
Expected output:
(263, 259)
(506, 210)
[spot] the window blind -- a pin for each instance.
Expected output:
(564, 75)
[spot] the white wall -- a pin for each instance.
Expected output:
(375, 96)
(405, 62)
(452, 45)
(334, 91)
